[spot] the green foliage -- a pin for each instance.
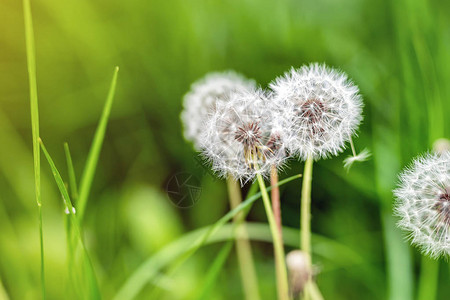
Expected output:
(396, 51)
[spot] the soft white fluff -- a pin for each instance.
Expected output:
(201, 99)
(241, 137)
(360, 157)
(423, 203)
(322, 110)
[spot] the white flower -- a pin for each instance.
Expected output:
(322, 110)
(201, 98)
(241, 139)
(423, 203)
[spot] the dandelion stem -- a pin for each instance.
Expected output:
(280, 265)
(305, 217)
(243, 247)
(276, 207)
(352, 146)
(275, 197)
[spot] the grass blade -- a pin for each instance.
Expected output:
(150, 269)
(59, 181)
(214, 270)
(94, 152)
(241, 207)
(88, 273)
(70, 169)
(220, 260)
(31, 62)
(69, 236)
(141, 276)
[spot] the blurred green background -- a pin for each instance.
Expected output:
(398, 52)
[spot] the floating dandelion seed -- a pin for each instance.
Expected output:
(322, 110)
(240, 137)
(423, 203)
(360, 157)
(201, 99)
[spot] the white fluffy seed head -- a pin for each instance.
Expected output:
(322, 110)
(423, 203)
(201, 99)
(241, 138)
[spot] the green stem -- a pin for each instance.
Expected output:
(428, 281)
(281, 273)
(315, 292)
(275, 196)
(305, 217)
(31, 63)
(352, 146)
(71, 171)
(243, 247)
(41, 242)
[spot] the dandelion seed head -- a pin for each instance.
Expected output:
(203, 95)
(240, 137)
(322, 110)
(423, 203)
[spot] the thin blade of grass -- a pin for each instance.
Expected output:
(220, 260)
(59, 181)
(69, 238)
(342, 254)
(71, 171)
(31, 62)
(138, 279)
(213, 272)
(244, 206)
(94, 152)
(245, 211)
(94, 291)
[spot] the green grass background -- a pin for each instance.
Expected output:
(398, 52)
